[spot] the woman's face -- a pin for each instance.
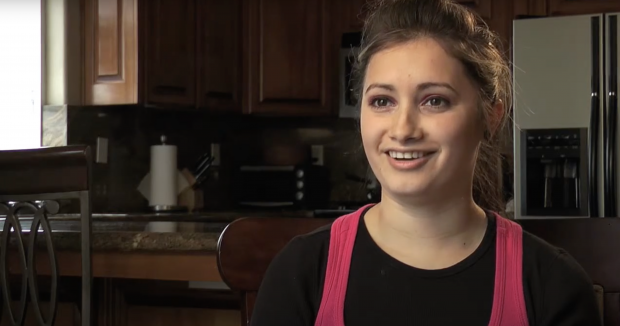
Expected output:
(420, 123)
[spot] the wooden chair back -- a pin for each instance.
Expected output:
(595, 244)
(32, 182)
(248, 245)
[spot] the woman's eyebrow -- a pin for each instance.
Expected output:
(387, 87)
(428, 85)
(420, 87)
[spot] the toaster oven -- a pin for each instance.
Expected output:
(297, 186)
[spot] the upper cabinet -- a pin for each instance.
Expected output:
(564, 7)
(288, 57)
(169, 56)
(351, 14)
(571, 7)
(167, 53)
(265, 57)
(219, 55)
(110, 52)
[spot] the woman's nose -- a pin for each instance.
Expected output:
(406, 125)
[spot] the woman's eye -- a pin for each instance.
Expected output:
(380, 102)
(436, 102)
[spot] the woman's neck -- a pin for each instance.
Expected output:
(430, 236)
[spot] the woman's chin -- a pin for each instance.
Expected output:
(408, 191)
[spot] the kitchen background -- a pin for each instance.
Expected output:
(256, 78)
(259, 80)
(265, 82)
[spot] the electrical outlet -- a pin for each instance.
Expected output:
(101, 154)
(215, 152)
(318, 155)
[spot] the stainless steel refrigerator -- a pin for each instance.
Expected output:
(566, 116)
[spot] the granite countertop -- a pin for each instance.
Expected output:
(138, 241)
(204, 239)
(197, 232)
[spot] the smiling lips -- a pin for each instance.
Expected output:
(408, 160)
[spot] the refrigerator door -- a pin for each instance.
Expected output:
(558, 73)
(612, 38)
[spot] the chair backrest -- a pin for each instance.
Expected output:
(31, 183)
(594, 243)
(248, 245)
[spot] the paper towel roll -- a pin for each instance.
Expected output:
(163, 175)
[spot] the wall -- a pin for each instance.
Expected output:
(132, 129)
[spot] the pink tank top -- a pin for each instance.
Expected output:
(508, 301)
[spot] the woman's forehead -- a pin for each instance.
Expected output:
(420, 61)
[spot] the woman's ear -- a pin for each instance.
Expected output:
(495, 117)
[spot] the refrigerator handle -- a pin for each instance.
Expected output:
(592, 153)
(612, 119)
(594, 119)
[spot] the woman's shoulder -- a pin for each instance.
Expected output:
(542, 259)
(555, 282)
(313, 242)
(545, 256)
(303, 253)
(292, 283)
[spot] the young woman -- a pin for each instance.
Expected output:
(434, 89)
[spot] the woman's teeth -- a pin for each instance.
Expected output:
(407, 155)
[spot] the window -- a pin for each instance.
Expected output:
(20, 74)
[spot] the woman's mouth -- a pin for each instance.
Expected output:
(408, 155)
(408, 160)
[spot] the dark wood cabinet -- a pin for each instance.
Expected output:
(110, 52)
(289, 56)
(351, 14)
(265, 57)
(169, 58)
(564, 7)
(219, 55)
(167, 53)
(572, 7)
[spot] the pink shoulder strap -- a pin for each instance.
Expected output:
(508, 299)
(342, 239)
(508, 302)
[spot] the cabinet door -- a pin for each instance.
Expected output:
(578, 7)
(110, 52)
(170, 52)
(219, 55)
(529, 8)
(353, 14)
(289, 57)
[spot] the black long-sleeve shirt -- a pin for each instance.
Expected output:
(385, 291)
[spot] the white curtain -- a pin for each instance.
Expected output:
(20, 74)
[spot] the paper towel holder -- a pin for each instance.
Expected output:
(166, 208)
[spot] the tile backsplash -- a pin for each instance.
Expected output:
(131, 130)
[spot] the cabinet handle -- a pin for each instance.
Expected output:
(170, 90)
(220, 95)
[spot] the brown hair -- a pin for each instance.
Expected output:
(466, 37)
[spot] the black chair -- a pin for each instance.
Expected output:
(32, 183)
